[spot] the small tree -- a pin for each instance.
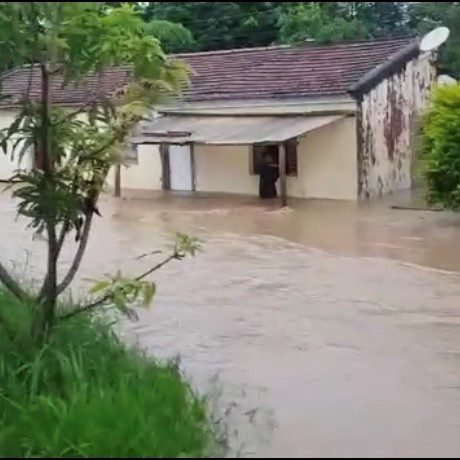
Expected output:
(440, 148)
(74, 150)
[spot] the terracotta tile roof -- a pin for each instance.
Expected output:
(281, 72)
(252, 73)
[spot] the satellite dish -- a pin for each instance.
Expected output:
(434, 39)
(446, 80)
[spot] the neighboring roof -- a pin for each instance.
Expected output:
(225, 130)
(15, 86)
(253, 73)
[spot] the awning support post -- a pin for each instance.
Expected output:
(117, 185)
(282, 172)
(166, 170)
(193, 166)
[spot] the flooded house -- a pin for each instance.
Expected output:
(337, 119)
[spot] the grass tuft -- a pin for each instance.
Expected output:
(85, 394)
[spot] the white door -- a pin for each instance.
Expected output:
(180, 166)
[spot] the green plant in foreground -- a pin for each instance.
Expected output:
(440, 148)
(62, 43)
(85, 394)
(68, 386)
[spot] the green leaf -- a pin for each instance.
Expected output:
(99, 287)
(187, 245)
(119, 300)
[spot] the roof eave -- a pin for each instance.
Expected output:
(265, 106)
(393, 65)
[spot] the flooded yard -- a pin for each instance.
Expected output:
(334, 329)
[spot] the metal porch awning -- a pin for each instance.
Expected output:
(228, 130)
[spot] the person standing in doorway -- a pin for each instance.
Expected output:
(269, 175)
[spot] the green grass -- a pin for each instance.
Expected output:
(87, 395)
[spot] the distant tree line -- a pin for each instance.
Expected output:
(223, 25)
(204, 26)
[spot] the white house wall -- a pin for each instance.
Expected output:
(145, 175)
(389, 115)
(327, 163)
(224, 169)
(326, 157)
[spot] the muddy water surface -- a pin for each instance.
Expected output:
(334, 329)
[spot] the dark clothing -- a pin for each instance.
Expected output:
(268, 176)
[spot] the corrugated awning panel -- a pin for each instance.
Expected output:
(226, 130)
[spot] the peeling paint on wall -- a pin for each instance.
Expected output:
(387, 119)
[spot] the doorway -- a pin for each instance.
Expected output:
(180, 168)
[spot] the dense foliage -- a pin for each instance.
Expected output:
(440, 145)
(203, 26)
(224, 25)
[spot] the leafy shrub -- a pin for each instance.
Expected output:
(440, 148)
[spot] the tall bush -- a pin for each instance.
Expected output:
(440, 148)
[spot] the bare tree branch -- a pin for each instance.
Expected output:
(10, 181)
(79, 111)
(7, 280)
(173, 256)
(68, 278)
(148, 254)
(62, 236)
(60, 242)
(87, 308)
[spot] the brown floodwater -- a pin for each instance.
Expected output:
(334, 329)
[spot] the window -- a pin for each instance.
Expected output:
(258, 152)
(131, 156)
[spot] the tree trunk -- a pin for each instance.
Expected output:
(282, 171)
(68, 278)
(46, 308)
(11, 284)
(117, 185)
